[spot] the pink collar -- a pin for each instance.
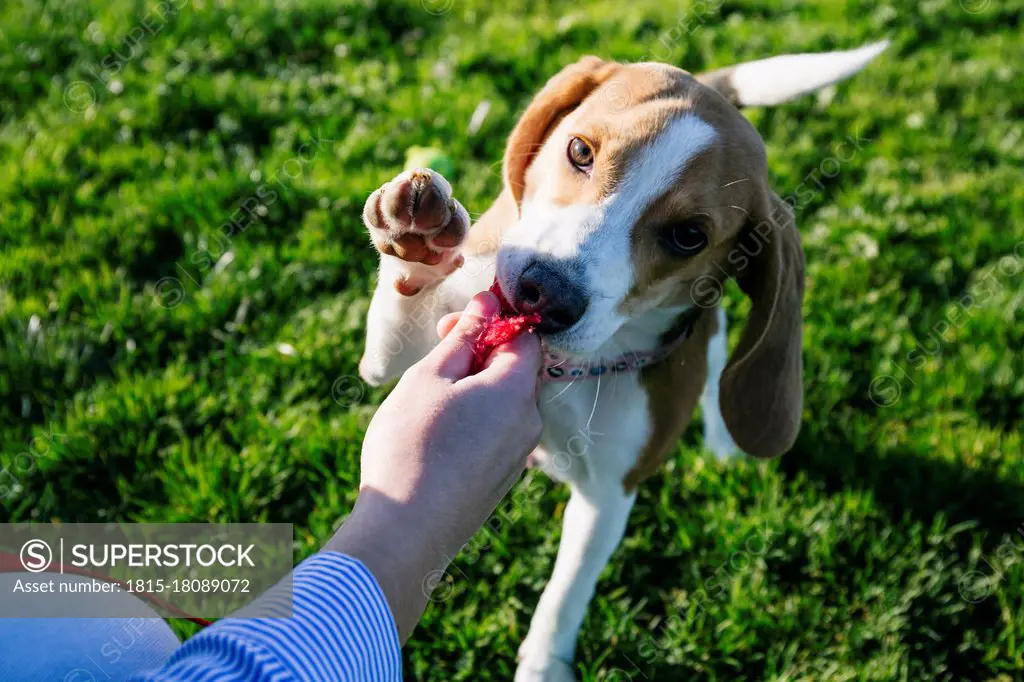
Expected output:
(558, 367)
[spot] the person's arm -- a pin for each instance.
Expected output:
(439, 455)
(437, 458)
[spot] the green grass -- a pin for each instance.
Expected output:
(174, 399)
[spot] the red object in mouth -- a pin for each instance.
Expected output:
(506, 326)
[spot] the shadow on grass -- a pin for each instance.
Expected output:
(905, 483)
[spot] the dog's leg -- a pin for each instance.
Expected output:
(595, 520)
(419, 230)
(716, 435)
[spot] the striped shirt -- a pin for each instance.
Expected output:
(341, 630)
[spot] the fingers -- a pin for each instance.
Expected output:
(446, 324)
(454, 354)
(515, 364)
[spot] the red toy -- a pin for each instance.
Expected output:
(506, 326)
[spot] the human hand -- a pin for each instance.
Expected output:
(447, 445)
(438, 456)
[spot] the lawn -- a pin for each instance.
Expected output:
(184, 278)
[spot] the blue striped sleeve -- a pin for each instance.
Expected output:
(341, 629)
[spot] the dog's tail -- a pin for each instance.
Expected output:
(779, 79)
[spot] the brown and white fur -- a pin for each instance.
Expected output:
(669, 149)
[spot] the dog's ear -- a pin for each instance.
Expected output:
(762, 386)
(767, 82)
(562, 93)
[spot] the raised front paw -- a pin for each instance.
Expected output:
(415, 219)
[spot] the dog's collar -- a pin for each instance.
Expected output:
(558, 367)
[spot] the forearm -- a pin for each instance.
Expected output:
(401, 551)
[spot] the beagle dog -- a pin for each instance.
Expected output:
(632, 192)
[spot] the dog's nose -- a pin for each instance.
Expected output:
(543, 290)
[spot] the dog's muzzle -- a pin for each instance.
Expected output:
(542, 289)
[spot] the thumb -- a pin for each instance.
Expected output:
(454, 355)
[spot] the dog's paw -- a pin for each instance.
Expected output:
(415, 219)
(539, 664)
(544, 669)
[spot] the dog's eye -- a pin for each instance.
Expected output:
(686, 239)
(581, 154)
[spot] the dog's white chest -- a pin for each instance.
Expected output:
(593, 426)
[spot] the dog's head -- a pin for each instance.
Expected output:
(641, 189)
